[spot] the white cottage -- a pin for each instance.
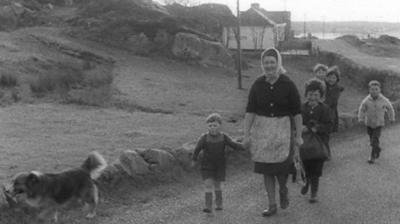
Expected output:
(258, 31)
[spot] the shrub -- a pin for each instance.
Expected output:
(98, 77)
(8, 80)
(63, 79)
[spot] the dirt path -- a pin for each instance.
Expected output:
(163, 105)
(348, 51)
(352, 191)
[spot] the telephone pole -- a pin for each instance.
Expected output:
(239, 51)
(304, 27)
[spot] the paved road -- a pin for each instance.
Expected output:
(348, 51)
(352, 191)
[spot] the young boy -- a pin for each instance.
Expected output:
(213, 145)
(372, 112)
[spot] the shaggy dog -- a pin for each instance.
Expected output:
(49, 191)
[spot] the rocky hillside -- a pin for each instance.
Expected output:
(142, 27)
(148, 28)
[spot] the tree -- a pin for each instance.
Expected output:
(186, 3)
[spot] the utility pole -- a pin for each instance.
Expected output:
(323, 27)
(239, 51)
(304, 27)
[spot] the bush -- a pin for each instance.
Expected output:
(8, 80)
(58, 79)
(98, 77)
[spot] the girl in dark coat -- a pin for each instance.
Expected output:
(316, 119)
(333, 91)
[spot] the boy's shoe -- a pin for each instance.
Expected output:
(206, 210)
(377, 154)
(208, 199)
(218, 208)
(313, 199)
(272, 210)
(371, 160)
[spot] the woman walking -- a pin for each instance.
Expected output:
(273, 116)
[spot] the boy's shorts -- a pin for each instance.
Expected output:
(215, 174)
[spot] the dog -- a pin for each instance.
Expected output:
(49, 191)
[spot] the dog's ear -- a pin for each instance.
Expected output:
(33, 178)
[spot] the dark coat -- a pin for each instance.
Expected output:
(331, 100)
(319, 118)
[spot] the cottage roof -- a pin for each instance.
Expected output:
(257, 16)
(263, 14)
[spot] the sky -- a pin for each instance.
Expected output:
(328, 10)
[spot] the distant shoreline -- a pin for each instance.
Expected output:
(331, 30)
(330, 36)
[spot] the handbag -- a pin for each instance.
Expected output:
(299, 175)
(313, 147)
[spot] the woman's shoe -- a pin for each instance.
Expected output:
(272, 210)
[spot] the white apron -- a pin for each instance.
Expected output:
(270, 139)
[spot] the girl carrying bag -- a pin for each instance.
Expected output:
(313, 147)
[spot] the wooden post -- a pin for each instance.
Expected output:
(304, 27)
(239, 52)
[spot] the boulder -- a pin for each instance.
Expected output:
(112, 173)
(140, 44)
(184, 154)
(205, 18)
(8, 18)
(159, 159)
(132, 163)
(190, 47)
(348, 120)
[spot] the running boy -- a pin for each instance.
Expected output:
(372, 112)
(213, 144)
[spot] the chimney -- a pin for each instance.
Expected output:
(255, 5)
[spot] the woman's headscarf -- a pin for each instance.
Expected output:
(274, 53)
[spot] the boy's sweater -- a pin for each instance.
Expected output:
(372, 111)
(213, 148)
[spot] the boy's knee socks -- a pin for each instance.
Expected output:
(208, 200)
(218, 199)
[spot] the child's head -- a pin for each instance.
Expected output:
(320, 71)
(214, 122)
(374, 88)
(314, 91)
(333, 75)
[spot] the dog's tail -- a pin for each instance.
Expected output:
(94, 164)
